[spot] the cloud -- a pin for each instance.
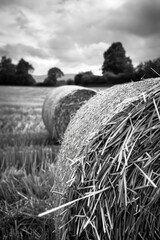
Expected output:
(140, 18)
(145, 17)
(23, 3)
(21, 20)
(18, 51)
(76, 33)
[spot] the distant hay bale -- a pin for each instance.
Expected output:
(60, 105)
(117, 178)
(92, 116)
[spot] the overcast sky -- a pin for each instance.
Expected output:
(73, 34)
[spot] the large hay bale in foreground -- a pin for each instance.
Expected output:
(117, 179)
(91, 117)
(60, 105)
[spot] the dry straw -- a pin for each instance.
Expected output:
(117, 179)
(90, 118)
(60, 105)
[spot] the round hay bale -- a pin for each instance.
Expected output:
(60, 105)
(92, 116)
(115, 186)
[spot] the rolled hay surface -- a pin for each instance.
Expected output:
(90, 118)
(117, 178)
(60, 105)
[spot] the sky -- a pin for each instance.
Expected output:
(73, 34)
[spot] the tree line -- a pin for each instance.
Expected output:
(20, 74)
(116, 68)
(11, 74)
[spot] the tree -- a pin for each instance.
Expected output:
(148, 69)
(24, 67)
(83, 78)
(55, 73)
(52, 76)
(7, 71)
(115, 60)
(23, 77)
(6, 66)
(24, 80)
(11, 74)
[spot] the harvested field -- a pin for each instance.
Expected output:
(114, 188)
(27, 157)
(61, 105)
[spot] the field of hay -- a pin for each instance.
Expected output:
(27, 157)
(113, 188)
(110, 188)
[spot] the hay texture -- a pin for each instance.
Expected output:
(115, 187)
(60, 105)
(92, 116)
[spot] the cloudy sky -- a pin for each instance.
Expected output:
(73, 34)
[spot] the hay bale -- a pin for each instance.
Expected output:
(60, 105)
(92, 116)
(117, 178)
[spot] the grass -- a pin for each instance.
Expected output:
(14, 119)
(114, 190)
(27, 157)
